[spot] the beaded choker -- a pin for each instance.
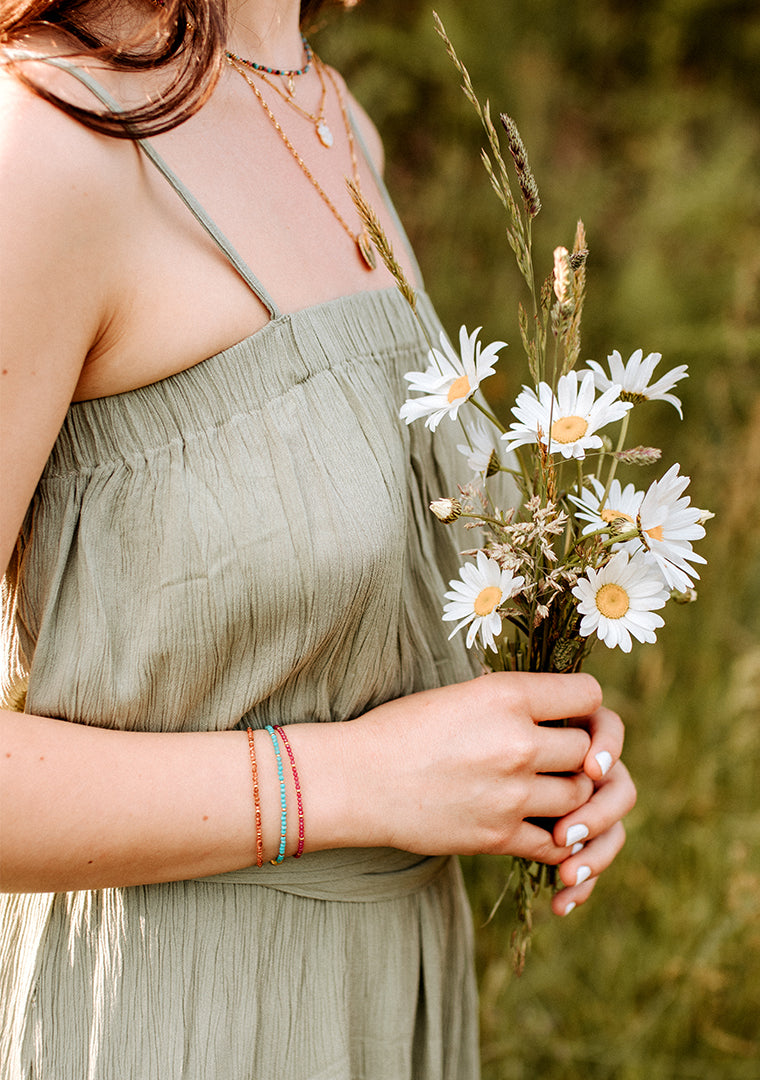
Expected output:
(284, 73)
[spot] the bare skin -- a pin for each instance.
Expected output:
(108, 284)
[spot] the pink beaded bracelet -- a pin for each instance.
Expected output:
(299, 850)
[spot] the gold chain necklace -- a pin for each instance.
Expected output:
(361, 239)
(321, 128)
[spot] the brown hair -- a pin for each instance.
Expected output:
(189, 34)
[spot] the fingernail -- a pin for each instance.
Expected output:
(576, 848)
(604, 758)
(584, 873)
(575, 833)
(570, 907)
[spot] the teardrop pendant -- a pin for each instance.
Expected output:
(324, 134)
(366, 250)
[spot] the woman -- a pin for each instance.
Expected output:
(222, 526)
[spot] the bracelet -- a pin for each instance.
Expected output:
(283, 736)
(256, 800)
(283, 800)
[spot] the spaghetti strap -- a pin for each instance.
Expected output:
(387, 199)
(152, 154)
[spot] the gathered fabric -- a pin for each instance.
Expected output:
(246, 542)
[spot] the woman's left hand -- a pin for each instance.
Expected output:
(594, 834)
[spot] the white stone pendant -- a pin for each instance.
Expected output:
(324, 134)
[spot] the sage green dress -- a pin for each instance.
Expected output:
(246, 542)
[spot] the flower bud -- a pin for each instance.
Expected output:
(446, 510)
(494, 465)
(688, 596)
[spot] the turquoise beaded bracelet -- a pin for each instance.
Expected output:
(283, 800)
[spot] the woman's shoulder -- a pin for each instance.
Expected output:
(61, 185)
(44, 151)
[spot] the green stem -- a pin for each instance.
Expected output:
(512, 472)
(613, 466)
(524, 471)
(488, 415)
(484, 519)
(531, 280)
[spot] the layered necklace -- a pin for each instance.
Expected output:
(322, 131)
(321, 128)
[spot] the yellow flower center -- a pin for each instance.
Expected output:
(615, 515)
(569, 429)
(459, 388)
(656, 533)
(487, 600)
(612, 601)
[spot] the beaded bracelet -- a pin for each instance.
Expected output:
(297, 785)
(256, 800)
(283, 799)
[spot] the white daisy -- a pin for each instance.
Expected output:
(568, 422)
(667, 524)
(476, 599)
(480, 447)
(633, 377)
(621, 506)
(619, 600)
(449, 380)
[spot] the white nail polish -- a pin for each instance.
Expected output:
(584, 873)
(576, 848)
(576, 833)
(570, 907)
(604, 758)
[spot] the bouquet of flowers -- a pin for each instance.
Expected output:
(581, 558)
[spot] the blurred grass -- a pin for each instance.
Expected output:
(643, 118)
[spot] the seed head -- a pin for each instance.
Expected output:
(525, 177)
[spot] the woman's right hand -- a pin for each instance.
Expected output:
(459, 769)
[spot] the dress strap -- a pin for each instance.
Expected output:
(152, 154)
(387, 199)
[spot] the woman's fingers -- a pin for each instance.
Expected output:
(580, 872)
(530, 841)
(557, 796)
(613, 798)
(560, 750)
(558, 697)
(606, 731)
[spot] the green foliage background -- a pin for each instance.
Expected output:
(642, 117)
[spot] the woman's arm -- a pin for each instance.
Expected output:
(455, 770)
(59, 184)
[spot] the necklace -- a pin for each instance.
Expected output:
(323, 132)
(284, 73)
(361, 239)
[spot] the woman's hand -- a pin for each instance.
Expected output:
(461, 769)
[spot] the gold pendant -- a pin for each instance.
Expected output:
(366, 250)
(324, 134)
